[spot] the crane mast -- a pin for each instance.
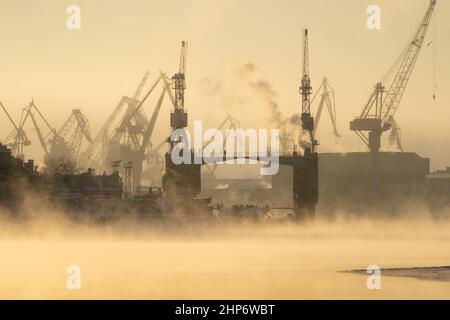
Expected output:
(179, 118)
(305, 92)
(306, 89)
(398, 86)
(180, 79)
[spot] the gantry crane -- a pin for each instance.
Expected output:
(306, 91)
(328, 100)
(378, 114)
(17, 139)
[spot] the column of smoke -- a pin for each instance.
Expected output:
(290, 127)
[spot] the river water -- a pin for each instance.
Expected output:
(231, 261)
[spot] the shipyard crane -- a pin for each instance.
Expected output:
(17, 139)
(168, 85)
(180, 78)
(148, 132)
(139, 89)
(233, 124)
(179, 118)
(145, 152)
(149, 126)
(65, 144)
(130, 125)
(73, 130)
(378, 114)
(306, 91)
(95, 155)
(154, 161)
(131, 139)
(30, 112)
(58, 146)
(328, 100)
(134, 102)
(135, 134)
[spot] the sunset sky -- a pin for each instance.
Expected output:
(94, 67)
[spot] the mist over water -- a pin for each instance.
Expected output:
(182, 259)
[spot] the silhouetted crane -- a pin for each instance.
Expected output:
(328, 100)
(17, 139)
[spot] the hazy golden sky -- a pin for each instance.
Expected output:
(93, 67)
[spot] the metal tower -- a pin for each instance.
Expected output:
(179, 118)
(306, 91)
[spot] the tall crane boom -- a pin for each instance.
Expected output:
(305, 92)
(139, 89)
(395, 93)
(180, 79)
(179, 118)
(78, 124)
(306, 89)
(38, 130)
(9, 117)
(29, 110)
(377, 115)
(327, 99)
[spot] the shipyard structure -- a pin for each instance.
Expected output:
(119, 190)
(122, 171)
